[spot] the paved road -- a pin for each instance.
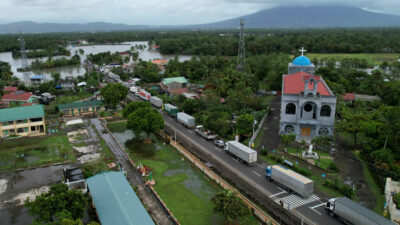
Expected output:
(311, 209)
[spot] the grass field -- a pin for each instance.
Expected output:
(184, 188)
(33, 152)
(371, 58)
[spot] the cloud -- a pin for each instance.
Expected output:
(159, 12)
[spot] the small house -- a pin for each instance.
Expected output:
(81, 108)
(173, 83)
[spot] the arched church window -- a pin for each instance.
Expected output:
(290, 108)
(323, 131)
(289, 129)
(325, 110)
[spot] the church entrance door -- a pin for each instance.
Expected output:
(306, 131)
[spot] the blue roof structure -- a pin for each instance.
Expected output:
(115, 201)
(301, 61)
(37, 77)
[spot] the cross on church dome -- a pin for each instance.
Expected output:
(302, 50)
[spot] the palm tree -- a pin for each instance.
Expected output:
(229, 206)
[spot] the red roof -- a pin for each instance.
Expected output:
(349, 97)
(16, 96)
(160, 61)
(294, 84)
(10, 89)
(155, 46)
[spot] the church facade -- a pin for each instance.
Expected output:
(307, 104)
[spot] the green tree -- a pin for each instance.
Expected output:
(287, 139)
(133, 106)
(58, 203)
(244, 124)
(229, 205)
(5, 71)
(56, 76)
(114, 93)
(146, 120)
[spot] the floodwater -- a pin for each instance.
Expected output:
(123, 137)
(144, 54)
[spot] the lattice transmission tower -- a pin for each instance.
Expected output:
(241, 51)
(24, 61)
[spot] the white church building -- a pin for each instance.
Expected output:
(307, 104)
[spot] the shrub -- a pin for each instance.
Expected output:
(341, 188)
(332, 166)
(302, 171)
(264, 152)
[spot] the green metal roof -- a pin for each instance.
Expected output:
(76, 105)
(169, 80)
(21, 113)
(115, 201)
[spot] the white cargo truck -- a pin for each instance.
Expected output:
(134, 89)
(185, 119)
(144, 95)
(350, 212)
(290, 179)
(156, 101)
(241, 151)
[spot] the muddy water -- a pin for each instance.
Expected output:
(123, 137)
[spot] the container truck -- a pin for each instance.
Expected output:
(204, 134)
(145, 95)
(350, 212)
(241, 151)
(185, 119)
(171, 110)
(156, 101)
(290, 180)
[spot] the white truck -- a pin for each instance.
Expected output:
(185, 119)
(350, 212)
(205, 134)
(241, 151)
(290, 179)
(144, 95)
(134, 89)
(156, 101)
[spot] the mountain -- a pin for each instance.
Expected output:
(310, 17)
(33, 27)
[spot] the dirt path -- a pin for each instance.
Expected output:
(350, 168)
(270, 135)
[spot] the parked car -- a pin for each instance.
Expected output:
(219, 143)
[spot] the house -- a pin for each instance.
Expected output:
(161, 63)
(352, 97)
(36, 79)
(154, 47)
(22, 121)
(307, 104)
(173, 83)
(391, 188)
(68, 83)
(8, 89)
(4, 104)
(115, 201)
(81, 108)
(19, 97)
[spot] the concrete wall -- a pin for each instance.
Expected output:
(392, 187)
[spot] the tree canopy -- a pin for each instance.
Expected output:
(229, 205)
(5, 71)
(145, 119)
(114, 93)
(133, 106)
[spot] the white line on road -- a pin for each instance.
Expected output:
(277, 194)
(256, 173)
(315, 211)
(317, 205)
(218, 149)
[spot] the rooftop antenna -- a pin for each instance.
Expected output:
(24, 61)
(241, 51)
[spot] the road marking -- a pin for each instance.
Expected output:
(316, 206)
(256, 173)
(297, 201)
(218, 149)
(315, 211)
(277, 194)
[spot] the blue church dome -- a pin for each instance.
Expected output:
(301, 61)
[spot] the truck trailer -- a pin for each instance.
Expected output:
(205, 134)
(156, 101)
(241, 151)
(290, 179)
(350, 212)
(171, 110)
(134, 89)
(185, 119)
(145, 95)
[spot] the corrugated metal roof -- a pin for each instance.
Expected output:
(76, 105)
(21, 113)
(115, 201)
(169, 80)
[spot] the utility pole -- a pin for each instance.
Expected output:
(241, 51)
(24, 61)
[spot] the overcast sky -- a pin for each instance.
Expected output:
(159, 12)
